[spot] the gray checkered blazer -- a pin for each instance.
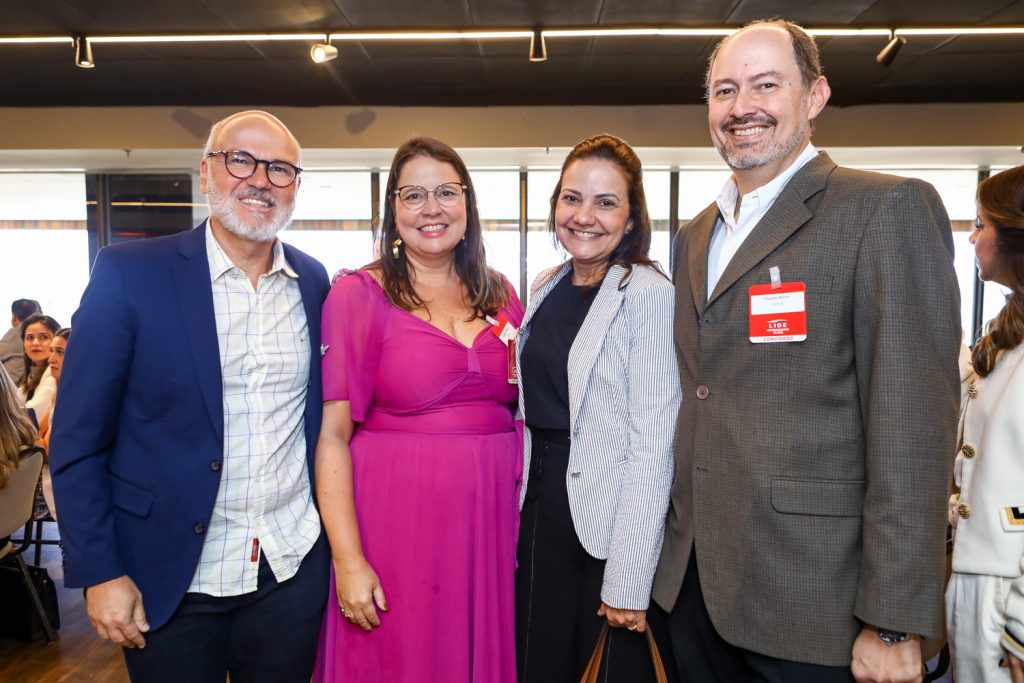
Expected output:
(812, 477)
(624, 397)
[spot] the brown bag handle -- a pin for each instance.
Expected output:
(594, 665)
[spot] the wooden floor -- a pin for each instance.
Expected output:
(77, 656)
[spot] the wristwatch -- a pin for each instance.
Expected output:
(892, 637)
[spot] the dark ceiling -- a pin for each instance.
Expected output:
(606, 70)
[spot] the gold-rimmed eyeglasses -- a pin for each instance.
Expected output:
(446, 194)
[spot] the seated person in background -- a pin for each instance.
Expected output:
(57, 346)
(12, 354)
(16, 431)
(37, 385)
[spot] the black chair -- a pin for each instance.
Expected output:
(15, 510)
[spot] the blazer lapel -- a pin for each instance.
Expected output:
(195, 296)
(590, 338)
(786, 216)
(702, 227)
(310, 302)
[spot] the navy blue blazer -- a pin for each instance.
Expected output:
(136, 454)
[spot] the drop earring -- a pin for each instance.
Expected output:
(394, 248)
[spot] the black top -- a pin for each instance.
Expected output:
(545, 356)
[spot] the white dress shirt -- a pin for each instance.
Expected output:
(265, 500)
(731, 230)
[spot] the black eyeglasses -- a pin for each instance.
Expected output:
(243, 165)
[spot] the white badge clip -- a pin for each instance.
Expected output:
(776, 277)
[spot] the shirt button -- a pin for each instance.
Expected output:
(215, 465)
(968, 450)
(964, 510)
(703, 392)
(199, 528)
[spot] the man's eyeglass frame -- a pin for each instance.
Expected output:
(223, 153)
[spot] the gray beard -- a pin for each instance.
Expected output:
(221, 208)
(740, 160)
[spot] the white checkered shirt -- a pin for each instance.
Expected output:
(264, 489)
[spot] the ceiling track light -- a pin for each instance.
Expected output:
(538, 48)
(323, 52)
(891, 50)
(83, 53)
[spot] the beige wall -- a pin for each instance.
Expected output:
(166, 137)
(385, 127)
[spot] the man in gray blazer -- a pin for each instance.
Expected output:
(817, 327)
(12, 348)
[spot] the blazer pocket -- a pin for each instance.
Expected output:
(130, 497)
(821, 498)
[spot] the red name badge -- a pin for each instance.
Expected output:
(502, 328)
(513, 371)
(506, 333)
(778, 314)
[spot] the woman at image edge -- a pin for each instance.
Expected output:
(598, 363)
(985, 597)
(419, 462)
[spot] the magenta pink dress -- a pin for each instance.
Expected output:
(436, 464)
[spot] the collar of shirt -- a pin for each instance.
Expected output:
(757, 201)
(221, 264)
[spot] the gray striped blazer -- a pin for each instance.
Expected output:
(623, 400)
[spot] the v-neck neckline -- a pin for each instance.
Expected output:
(435, 328)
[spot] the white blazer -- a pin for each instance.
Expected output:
(990, 474)
(623, 404)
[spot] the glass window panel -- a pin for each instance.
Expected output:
(20, 195)
(332, 219)
(964, 264)
(383, 188)
(58, 288)
(497, 194)
(497, 199)
(336, 249)
(43, 221)
(697, 189)
(956, 188)
(542, 251)
(539, 186)
(657, 190)
(327, 195)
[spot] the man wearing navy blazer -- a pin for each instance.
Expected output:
(189, 409)
(817, 328)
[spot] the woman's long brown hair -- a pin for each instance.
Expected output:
(1001, 202)
(16, 430)
(485, 288)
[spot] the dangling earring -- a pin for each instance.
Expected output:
(394, 248)
(629, 227)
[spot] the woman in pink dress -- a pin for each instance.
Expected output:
(418, 463)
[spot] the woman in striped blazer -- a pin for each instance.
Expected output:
(599, 392)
